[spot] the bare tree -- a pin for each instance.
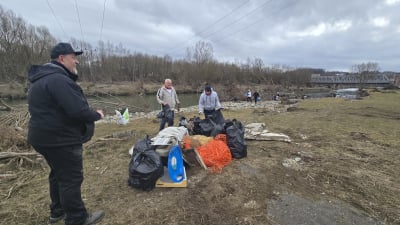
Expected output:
(203, 52)
(365, 71)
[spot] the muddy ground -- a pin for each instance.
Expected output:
(340, 168)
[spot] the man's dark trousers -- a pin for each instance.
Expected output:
(164, 120)
(65, 179)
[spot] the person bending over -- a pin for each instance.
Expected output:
(209, 102)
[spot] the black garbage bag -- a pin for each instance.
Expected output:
(235, 139)
(212, 125)
(160, 114)
(219, 122)
(195, 126)
(145, 166)
(168, 113)
(207, 126)
(217, 117)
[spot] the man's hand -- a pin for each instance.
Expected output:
(99, 111)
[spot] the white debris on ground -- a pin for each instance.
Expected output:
(294, 163)
(257, 131)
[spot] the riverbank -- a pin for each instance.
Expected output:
(267, 106)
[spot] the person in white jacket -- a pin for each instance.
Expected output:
(209, 102)
(168, 100)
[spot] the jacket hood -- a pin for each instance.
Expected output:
(37, 72)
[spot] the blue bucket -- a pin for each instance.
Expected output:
(176, 170)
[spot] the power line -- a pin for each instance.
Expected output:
(256, 22)
(209, 26)
(223, 17)
(102, 21)
(237, 20)
(79, 20)
(52, 11)
(240, 18)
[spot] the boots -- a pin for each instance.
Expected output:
(94, 217)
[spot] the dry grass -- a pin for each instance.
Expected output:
(349, 151)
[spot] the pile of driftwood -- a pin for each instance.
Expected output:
(15, 153)
(15, 117)
(18, 159)
(4, 106)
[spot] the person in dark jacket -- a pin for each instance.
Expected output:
(256, 95)
(61, 121)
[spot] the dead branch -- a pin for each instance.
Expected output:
(8, 176)
(104, 170)
(6, 106)
(23, 181)
(6, 155)
(18, 117)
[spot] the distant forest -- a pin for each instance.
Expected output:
(22, 45)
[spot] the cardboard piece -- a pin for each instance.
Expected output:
(165, 181)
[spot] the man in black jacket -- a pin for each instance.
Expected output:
(61, 121)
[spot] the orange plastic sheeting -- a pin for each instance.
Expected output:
(215, 154)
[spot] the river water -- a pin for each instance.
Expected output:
(134, 103)
(138, 103)
(148, 103)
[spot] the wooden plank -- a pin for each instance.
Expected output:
(193, 158)
(165, 180)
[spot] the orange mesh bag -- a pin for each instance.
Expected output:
(215, 154)
(221, 137)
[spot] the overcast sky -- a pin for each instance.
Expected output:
(327, 34)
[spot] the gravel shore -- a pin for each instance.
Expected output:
(271, 106)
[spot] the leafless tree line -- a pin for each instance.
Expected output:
(22, 45)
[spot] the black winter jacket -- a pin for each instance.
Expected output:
(60, 113)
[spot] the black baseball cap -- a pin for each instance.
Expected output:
(63, 49)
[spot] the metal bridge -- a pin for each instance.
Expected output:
(382, 79)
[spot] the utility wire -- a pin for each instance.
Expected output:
(223, 17)
(240, 18)
(80, 24)
(256, 22)
(102, 21)
(209, 26)
(235, 21)
(52, 11)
